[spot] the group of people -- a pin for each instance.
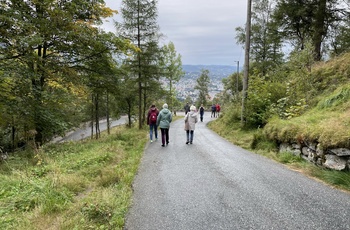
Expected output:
(215, 110)
(163, 118)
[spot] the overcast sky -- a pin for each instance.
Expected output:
(203, 31)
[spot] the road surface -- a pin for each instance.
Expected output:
(85, 130)
(213, 184)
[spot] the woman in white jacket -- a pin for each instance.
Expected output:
(191, 119)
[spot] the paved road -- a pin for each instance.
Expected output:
(85, 130)
(213, 184)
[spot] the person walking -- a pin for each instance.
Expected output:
(152, 122)
(201, 112)
(191, 119)
(213, 110)
(187, 108)
(163, 121)
(218, 108)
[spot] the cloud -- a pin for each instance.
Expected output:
(203, 31)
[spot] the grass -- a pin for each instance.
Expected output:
(77, 185)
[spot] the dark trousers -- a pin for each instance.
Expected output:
(165, 135)
(189, 135)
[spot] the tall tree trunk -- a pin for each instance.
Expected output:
(107, 114)
(97, 123)
(320, 29)
(92, 115)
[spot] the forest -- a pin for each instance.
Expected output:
(58, 68)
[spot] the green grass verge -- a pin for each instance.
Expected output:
(77, 185)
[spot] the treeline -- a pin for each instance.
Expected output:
(58, 68)
(284, 84)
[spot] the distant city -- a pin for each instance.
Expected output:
(185, 87)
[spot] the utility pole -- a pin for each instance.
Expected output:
(246, 60)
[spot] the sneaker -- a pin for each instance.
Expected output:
(151, 141)
(163, 145)
(186, 142)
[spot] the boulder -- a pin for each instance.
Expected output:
(335, 162)
(340, 152)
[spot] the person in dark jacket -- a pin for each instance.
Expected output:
(201, 112)
(213, 110)
(152, 122)
(163, 121)
(187, 108)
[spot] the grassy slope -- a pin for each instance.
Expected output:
(82, 185)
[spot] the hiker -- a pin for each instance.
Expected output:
(163, 121)
(213, 110)
(201, 112)
(152, 122)
(187, 108)
(191, 119)
(218, 108)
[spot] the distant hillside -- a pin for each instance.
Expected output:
(215, 71)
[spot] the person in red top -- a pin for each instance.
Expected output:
(152, 122)
(217, 110)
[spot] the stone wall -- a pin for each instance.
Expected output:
(337, 158)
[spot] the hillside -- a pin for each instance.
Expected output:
(185, 87)
(326, 119)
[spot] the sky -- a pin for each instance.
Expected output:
(203, 31)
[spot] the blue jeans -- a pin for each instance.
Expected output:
(189, 135)
(151, 128)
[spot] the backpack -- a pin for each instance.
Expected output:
(153, 117)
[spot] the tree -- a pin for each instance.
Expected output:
(266, 43)
(172, 68)
(49, 43)
(309, 20)
(140, 27)
(202, 86)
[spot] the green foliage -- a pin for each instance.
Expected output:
(202, 85)
(339, 97)
(260, 142)
(261, 95)
(288, 158)
(50, 56)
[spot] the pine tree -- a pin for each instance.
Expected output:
(202, 86)
(140, 27)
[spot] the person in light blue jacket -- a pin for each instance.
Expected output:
(163, 122)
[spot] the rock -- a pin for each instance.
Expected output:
(335, 162)
(305, 151)
(285, 147)
(340, 152)
(319, 150)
